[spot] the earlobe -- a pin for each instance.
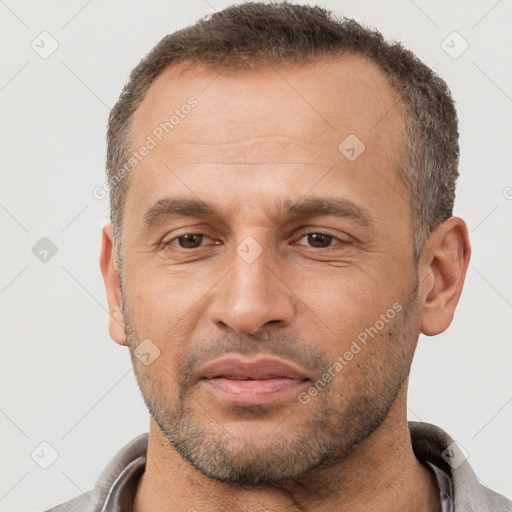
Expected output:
(443, 264)
(112, 286)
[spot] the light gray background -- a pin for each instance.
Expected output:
(64, 381)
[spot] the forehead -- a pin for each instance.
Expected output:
(331, 97)
(268, 127)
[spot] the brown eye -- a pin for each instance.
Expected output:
(188, 241)
(318, 240)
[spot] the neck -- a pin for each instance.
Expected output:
(381, 474)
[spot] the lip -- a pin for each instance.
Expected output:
(251, 381)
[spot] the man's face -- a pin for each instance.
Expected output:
(266, 277)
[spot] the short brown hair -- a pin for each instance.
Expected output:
(242, 36)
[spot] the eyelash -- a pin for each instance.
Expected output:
(169, 243)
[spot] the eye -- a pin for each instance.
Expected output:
(187, 241)
(319, 240)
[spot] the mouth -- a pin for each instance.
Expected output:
(251, 382)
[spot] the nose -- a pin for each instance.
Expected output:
(250, 296)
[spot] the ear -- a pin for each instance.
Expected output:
(111, 278)
(443, 266)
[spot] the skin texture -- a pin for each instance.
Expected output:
(255, 139)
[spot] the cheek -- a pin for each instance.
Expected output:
(158, 383)
(346, 302)
(375, 358)
(366, 331)
(163, 303)
(166, 314)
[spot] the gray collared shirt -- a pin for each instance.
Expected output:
(459, 488)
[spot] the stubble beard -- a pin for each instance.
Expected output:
(331, 425)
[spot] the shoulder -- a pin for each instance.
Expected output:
(118, 479)
(432, 444)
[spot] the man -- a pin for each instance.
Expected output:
(282, 185)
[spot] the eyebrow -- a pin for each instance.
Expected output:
(169, 207)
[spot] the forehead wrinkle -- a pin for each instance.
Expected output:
(254, 150)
